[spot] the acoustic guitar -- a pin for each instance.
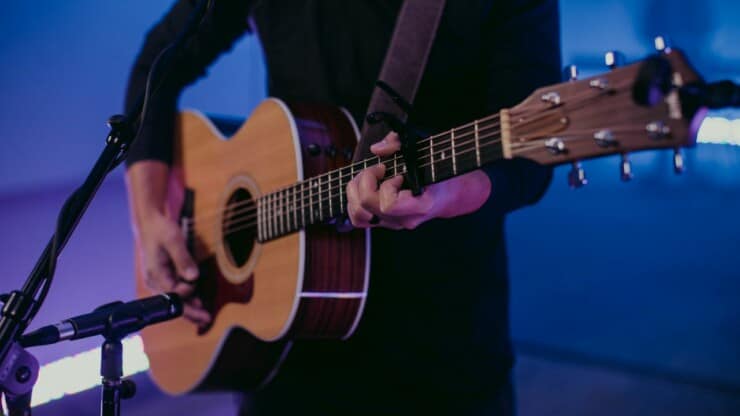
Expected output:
(256, 203)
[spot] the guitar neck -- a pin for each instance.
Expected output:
(322, 198)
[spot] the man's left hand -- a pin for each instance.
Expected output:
(372, 202)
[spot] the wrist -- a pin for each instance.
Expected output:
(146, 182)
(461, 195)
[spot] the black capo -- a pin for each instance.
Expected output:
(407, 133)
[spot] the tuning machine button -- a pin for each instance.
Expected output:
(570, 73)
(577, 176)
(658, 130)
(555, 145)
(662, 44)
(625, 168)
(678, 162)
(605, 138)
(614, 59)
(551, 97)
(599, 84)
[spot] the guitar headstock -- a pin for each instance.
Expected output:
(630, 108)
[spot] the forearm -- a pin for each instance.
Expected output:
(147, 183)
(516, 183)
(463, 194)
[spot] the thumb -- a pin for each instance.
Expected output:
(181, 259)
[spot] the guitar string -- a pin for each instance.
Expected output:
(280, 199)
(247, 223)
(519, 148)
(344, 173)
(393, 165)
(358, 165)
(574, 100)
(309, 202)
(540, 142)
(291, 208)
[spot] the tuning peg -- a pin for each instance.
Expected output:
(570, 73)
(625, 168)
(661, 44)
(614, 59)
(678, 165)
(577, 176)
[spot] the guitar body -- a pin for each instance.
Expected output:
(305, 285)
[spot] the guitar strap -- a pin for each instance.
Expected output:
(403, 66)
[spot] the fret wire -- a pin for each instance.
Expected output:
(278, 216)
(259, 219)
(431, 157)
(265, 212)
(303, 208)
(310, 199)
(280, 213)
(341, 191)
(275, 216)
(454, 163)
(477, 145)
(273, 221)
(285, 211)
(321, 208)
(331, 206)
(269, 216)
(288, 225)
(295, 207)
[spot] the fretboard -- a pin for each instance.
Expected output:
(323, 198)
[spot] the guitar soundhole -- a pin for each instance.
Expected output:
(239, 227)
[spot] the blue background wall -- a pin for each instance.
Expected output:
(631, 287)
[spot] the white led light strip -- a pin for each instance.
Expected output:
(81, 372)
(719, 130)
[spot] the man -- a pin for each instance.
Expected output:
(434, 338)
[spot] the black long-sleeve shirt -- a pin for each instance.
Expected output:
(436, 319)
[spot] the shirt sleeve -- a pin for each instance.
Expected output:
(226, 22)
(523, 53)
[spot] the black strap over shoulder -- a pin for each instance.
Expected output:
(403, 67)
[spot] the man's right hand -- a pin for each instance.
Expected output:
(165, 262)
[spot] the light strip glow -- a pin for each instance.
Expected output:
(719, 130)
(81, 372)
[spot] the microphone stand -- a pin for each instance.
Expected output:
(20, 306)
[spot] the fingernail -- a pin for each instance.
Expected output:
(379, 145)
(191, 273)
